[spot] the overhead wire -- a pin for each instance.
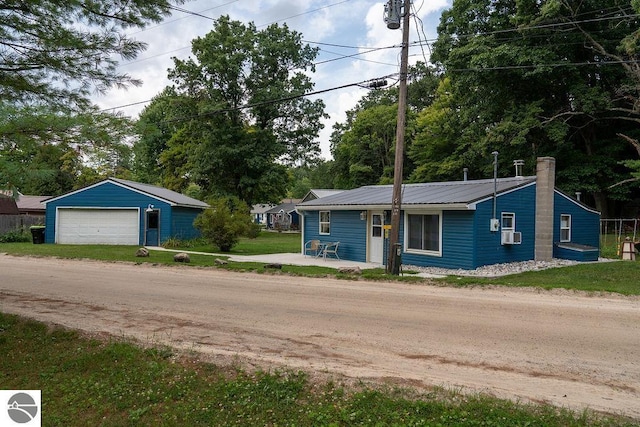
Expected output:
(426, 41)
(272, 101)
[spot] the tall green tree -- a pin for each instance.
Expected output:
(244, 116)
(43, 151)
(59, 52)
(363, 147)
(528, 79)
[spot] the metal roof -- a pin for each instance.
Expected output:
(162, 193)
(453, 193)
(169, 196)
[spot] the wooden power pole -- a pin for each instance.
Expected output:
(394, 261)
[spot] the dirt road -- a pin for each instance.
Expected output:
(568, 349)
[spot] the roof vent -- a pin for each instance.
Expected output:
(518, 165)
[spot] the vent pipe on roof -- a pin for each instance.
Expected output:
(518, 165)
(465, 173)
(495, 224)
(578, 194)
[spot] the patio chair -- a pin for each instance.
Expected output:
(331, 249)
(313, 247)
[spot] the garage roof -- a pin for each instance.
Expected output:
(169, 196)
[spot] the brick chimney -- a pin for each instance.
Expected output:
(545, 183)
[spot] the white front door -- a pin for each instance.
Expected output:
(376, 237)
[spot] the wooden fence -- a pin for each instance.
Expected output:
(19, 222)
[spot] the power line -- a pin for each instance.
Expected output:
(556, 65)
(259, 104)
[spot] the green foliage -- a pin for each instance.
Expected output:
(235, 116)
(15, 236)
(49, 152)
(60, 52)
(535, 79)
(363, 148)
(224, 223)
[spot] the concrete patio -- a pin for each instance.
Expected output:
(282, 258)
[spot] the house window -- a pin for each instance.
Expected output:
(565, 228)
(423, 233)
(508, 222)
(325, 222)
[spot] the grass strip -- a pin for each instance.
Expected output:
(112, 382)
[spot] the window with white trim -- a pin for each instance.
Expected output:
(508, 221)
(423, 233)
(565, 228)
(325, 222)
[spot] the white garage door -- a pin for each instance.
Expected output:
(98, 226)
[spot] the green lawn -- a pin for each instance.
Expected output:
(622, 277)
(111, 382)
(617, 276)
(267, 243)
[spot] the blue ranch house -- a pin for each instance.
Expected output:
(120, 212)
(459, 224)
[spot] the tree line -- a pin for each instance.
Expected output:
(526, 78)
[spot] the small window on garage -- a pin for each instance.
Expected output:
(565, 228)
(325, 222)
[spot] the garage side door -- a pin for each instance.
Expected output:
(98, 226)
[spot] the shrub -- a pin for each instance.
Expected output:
(224, 223)
(15, 236)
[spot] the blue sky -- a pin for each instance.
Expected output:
(357, 24)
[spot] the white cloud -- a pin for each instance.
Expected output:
(349, 24)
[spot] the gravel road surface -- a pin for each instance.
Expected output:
(565, 348)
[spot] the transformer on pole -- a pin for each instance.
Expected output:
(392, 14)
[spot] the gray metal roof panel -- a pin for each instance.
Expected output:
(434, 193)
(162, 193)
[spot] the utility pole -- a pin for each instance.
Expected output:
(394, 260)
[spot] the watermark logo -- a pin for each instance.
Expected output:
(22, 408)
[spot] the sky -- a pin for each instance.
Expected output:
(340, 28)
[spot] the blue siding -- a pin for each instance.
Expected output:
(585, 228)
(457, 243)
(489, 250)
(182, 224)
(576, 254)
(346, 228)
(174, 221)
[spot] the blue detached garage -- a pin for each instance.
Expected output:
(120, 212)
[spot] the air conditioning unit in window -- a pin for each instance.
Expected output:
(511, 238)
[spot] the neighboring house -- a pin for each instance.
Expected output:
(15, 216)
(31, 205)
(8, 206)
(259, 213)
(284, 216)
(318, 193)
(117, 211)
(453, 224)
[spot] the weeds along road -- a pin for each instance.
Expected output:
(568, 349)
